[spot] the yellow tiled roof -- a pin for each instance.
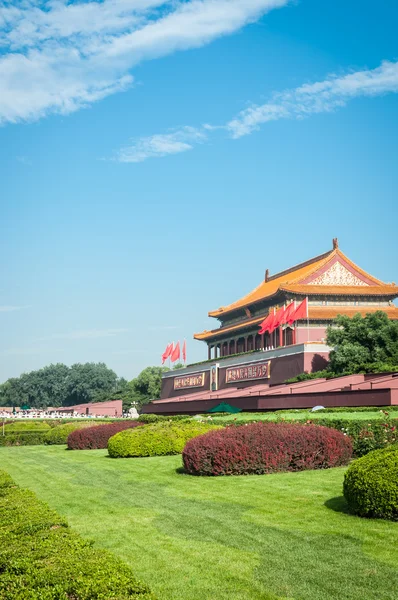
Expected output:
(289, 279)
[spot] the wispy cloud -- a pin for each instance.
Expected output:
(11, 308)
(59, 57)
(161, 145)
(324, 96)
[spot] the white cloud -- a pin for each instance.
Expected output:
(60, 57)
(11, 308)
(324, 96)
(161, 145)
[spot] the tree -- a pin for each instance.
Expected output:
(362, 343)
(59, 385)
(89, 382)
(147, 385)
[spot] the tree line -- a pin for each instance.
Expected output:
(59, 385)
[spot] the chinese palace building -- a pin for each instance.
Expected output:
(242, 362)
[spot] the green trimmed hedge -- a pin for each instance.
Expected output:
(371, 484)
(26, 426)
(24, 438)
(42, 559)
(152, 418)
(155, 440)
(59, 434)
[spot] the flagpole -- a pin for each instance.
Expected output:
(308, 323)
(295, 324)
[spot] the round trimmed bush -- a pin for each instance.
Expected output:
(59, 434)
(259, 448)
(155, 440)
(89, 438)
(371, 484)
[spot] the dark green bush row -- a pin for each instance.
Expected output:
(155, 440)
(150, 418)
(371, 484)
(58, 434)
(348, 409)
(42, 559)
(23, 438)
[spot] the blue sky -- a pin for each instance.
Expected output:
(156, 157)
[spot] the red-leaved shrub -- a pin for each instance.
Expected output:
(260, 448)
(97, 437)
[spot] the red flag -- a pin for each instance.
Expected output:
(184, 351)
(288, 314)
(277, 319)
(264, 326)
(167, 352)
(301, 311)
(175, 355)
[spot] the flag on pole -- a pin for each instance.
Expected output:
(175, 355)
(277, 319)
(301, 311)
(184, 351)
(266, 324)
(167, 353)
(288, 314)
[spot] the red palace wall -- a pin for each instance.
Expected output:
(312, 334)
(282, 367)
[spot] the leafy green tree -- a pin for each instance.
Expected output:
(178, 366)
(147, 385)
(89, 382)
(362, 343)
(59, 385)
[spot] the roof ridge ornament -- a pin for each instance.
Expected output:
(335, 243)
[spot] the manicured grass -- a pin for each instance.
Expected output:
(229, 538)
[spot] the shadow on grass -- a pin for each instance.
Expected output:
(181, 471)
(338, 504)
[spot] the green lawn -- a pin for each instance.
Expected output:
(233, 538)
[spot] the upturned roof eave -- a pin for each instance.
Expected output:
(316, 313)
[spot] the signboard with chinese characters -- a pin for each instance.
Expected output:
(243, 373)
(189, 381)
